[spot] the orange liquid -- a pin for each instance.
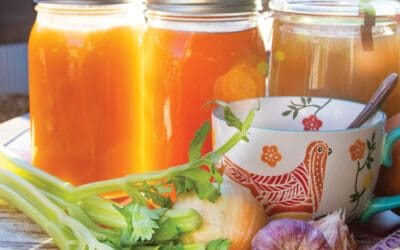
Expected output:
(332, 63)
(184, 71)
(84, 103)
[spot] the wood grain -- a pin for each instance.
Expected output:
(19, 232)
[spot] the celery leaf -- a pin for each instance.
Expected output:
(219, 244)
(156, 194)
(197, 143)
(231, 119)
(216, 175)
(202, 184)
(171, 246)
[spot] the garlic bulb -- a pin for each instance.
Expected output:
(329, 232)
(236, 215)
(289, 234)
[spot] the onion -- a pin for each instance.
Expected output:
(289, 234)
(236, 215)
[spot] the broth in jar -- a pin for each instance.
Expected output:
(196, 52)
(84, 65)
(324, 54)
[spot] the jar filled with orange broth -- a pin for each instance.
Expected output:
(84, 66)
(335, 48)
(196, 51)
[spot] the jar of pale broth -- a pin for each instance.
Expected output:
(334, 48)
(84, 65)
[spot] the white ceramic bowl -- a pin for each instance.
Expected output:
(300, 160)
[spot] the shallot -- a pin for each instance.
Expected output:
(236, 216)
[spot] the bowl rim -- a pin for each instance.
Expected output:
(381, 119)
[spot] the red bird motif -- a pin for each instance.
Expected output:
(298, 191)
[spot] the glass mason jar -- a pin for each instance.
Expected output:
(334, 48)
(196, 51)
(84, 64)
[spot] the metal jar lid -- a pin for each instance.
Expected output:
(349, 8)
(203, 7)
(85, 2)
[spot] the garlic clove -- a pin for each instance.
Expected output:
(335, 230)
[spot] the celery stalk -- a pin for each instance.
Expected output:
(73, 215)
(116, 184)
(35, 204)
(61, 235)
(39, 178)
(55, 186)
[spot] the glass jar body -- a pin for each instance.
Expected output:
(312, 57)
(189, 62)
(84, 65)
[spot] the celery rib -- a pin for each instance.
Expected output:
(75, 216)
(25, 193)
(41, 179)
(117, 184)
(61, 235)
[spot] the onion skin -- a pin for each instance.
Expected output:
(236, 216)
(289, 234)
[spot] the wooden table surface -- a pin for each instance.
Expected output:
(18, 232)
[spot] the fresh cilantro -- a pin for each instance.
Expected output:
(141, 223)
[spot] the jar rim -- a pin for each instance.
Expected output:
(203, 7)
(350, 8)
(85, 2)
